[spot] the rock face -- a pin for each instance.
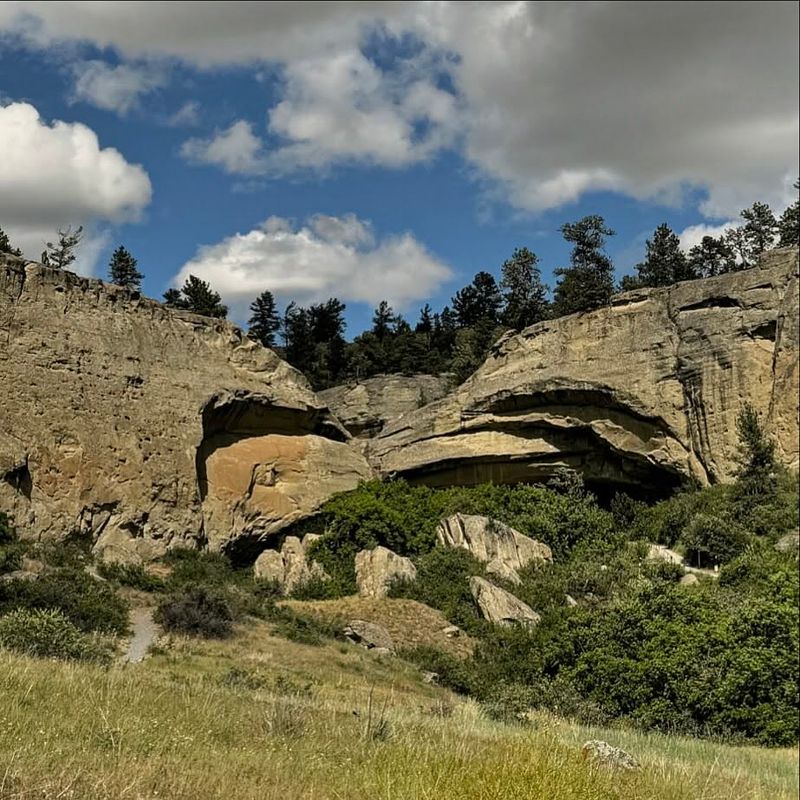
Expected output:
(366, 406)
(145, 427)
(289, 568)
(642, 395)
(500, 547)
(501, 607)
(378, 569)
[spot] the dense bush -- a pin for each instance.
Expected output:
(133, 575)
(710, 540)
(48, 633)
(404, 519)
(302, 628)
(89, 604)
(11, 550)
(196, 610)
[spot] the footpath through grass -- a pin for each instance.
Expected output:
(261, 717)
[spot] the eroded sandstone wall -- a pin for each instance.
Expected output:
(145, 427)
(641, 395)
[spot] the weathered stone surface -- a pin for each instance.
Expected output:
(789, 543)
(500, 547)
(499, 606)
(606, 755)
(289, 568)
(378, 569)
(369, 635)
(366, 406)
(689, 580)
(136, 424)
(641, 395)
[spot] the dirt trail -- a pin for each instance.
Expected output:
(144, 631)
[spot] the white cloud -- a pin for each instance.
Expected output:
(55, 175)
(114, 88)
(237, 150)
(549, 101)
(186, 116)
(694, 233)
(328, 256)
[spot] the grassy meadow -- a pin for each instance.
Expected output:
(259, 717)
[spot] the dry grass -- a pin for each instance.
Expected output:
(177, 727)
(409, 623)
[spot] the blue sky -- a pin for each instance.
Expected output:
(374, 151)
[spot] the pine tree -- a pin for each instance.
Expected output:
(589, 281)
(174, 299)
(202, 299)
(61, 255)
(264, 321)
(713, 256)
(789, 224)
(122, 269)
(382, 320)
(6, 246)
(665, 262)
(757, 474)
(425, 324)
(525, 295)
(481, 299)
(759, 231)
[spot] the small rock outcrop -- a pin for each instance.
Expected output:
(504, 550)
(378, 569)
(641, 395)
(606, 755)
(369, 635)
(144, 427)
(689, 580)
(789, 543)
(289, 568)
(366, 406)
(501, 607)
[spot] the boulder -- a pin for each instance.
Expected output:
(659, 552)
(144, 427)
(378, 569)
(570, 601)
(605, 755)
(499, 606)
(689, 580)
(504, 550)
(290, 567)
(369, 635)
(641, 394)
(789, 543)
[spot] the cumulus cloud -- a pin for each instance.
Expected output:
(694, 233)
(186, 116)
(52, 175)
(114, 88)
(548, 101)
(237, 150)
(327, 256)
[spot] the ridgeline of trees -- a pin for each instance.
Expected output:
(457, 338)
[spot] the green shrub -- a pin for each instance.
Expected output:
(510, 703)
(710, 540)
(48, 633)
(197, 611)
(133, 575)
(454, 673)
(442, 582)
(301, 628)
(7, 533)
(89, 604)
(191, 567)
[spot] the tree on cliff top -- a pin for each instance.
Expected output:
(665, 262)
(789, 224)
(122, 269)
(524, 293)
(196, 295)
(6, 246)
(61, 255)
(589, 281)
(264, 321)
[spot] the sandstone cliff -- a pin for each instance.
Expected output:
(364, 407)
(144, 426)
(641, 395)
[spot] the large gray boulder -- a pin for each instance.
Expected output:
(501, 607)
(377, 570)
(369, 635)
(504, 550)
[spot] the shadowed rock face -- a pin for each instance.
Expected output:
(366, 406)
(640, 396)
(145, 427)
